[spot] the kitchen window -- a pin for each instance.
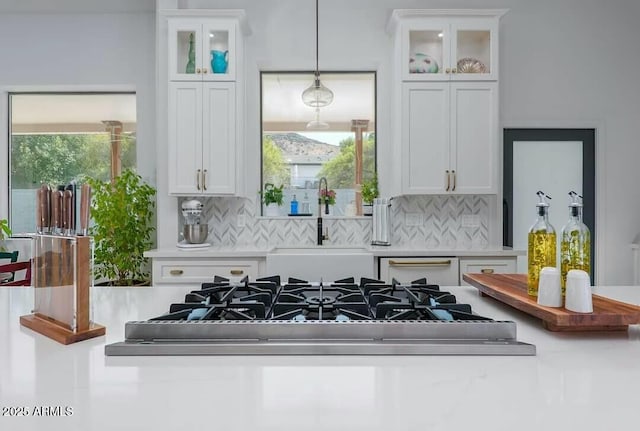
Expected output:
(56, 138)
(300, 144)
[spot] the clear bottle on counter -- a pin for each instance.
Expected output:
(575, 243)
(541, 245)
(305, 206)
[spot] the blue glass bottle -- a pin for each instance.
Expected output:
(294, 206)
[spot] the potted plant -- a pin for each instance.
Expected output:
(369, 191)
(272, 198)
(122, 211)
(5, 232)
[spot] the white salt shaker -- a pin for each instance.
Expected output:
(578, 292)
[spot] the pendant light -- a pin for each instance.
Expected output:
(317, 95)
(317, 124)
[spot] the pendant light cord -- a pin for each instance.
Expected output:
(317, 71)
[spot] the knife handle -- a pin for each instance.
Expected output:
(39, 210)
(72, 222)
(56, 211)
(85, 207)
(45, 208)
(67, 212)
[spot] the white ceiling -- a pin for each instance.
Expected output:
(70, 112)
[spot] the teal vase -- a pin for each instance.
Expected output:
(219, 61)
(191, 64)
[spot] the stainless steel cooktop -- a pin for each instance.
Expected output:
(370, 317)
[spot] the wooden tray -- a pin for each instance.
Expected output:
(608, 314)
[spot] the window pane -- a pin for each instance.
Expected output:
(300, 144)
(59, 138)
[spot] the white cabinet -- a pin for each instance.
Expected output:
(438, 270)
(449, 138)
(204, 102)
(202, 138)
(201, 270)
(445, 65)
(487, 265)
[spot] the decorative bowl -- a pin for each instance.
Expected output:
(471, 65)
(422, 63)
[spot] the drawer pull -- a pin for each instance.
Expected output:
(236, 272)
(176, 272)
(420, 263)
(487, 270)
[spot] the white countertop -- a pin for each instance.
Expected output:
(388, 251)
(209, 252)
(576, 382)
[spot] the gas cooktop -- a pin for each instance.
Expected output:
(268, 316)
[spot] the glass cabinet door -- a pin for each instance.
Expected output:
(462, 49)
(473, 52)
(202, 50)
(218, 51)
(185, 61)
(427, 53)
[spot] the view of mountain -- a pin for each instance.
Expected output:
(294, 144)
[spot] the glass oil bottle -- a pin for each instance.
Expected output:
(541, 245)
(575, 243)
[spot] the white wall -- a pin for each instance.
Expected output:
(88, 51)
(569, 63)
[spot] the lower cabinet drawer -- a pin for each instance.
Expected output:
(487, 266)
(438, 270)
(202, 271)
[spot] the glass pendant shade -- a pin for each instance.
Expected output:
(317, 124)
(317, 95)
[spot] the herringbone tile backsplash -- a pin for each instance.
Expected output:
(439, 220)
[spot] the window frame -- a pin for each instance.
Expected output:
(5, 147)
(311, 73)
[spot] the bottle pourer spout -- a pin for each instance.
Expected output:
(576, 202)
(542, 196)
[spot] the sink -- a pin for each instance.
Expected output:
(313, 263)
(320, 249)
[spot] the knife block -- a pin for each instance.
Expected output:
(62, 278)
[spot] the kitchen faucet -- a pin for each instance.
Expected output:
(321, 235)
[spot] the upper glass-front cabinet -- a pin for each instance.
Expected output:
(449, 49)
(202, 50)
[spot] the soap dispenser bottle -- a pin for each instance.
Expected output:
(294, 206)
(541, 245)
(575, 243)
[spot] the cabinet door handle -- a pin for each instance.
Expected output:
(198, 70)
(453, 189)
(198, 179)
(204, 180)
(236, 272)
(447, 70)
(454, 70)
(176, 272)
(448, 180)
(420, 263)
(487, 270)
(204, 70)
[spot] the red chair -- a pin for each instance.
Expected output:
(11, 268)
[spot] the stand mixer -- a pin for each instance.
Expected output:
(194, 232)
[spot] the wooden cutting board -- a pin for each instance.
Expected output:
(608, 314)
